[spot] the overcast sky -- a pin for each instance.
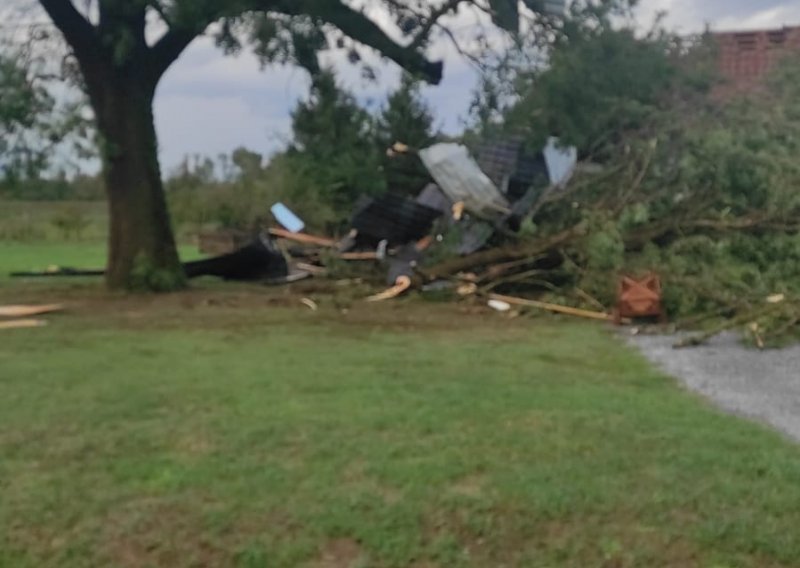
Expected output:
(210, 104)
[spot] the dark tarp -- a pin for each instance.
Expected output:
(260, 260)
(393, 218)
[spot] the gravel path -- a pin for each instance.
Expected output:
(762, 385)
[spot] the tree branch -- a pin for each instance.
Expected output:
(507, 253)
(77, 30)
(422, 36)
(169, 48)
(358, 26)
(350, 21)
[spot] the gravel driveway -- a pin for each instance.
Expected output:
(762, 385)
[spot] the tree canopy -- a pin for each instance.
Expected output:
(34, 122)
(333, 145)
(21, 105)
(408, 120)
(283, 30)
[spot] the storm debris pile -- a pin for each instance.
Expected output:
(701, 231)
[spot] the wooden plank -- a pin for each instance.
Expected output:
(403, 283)
(566, 310)
(312, 269)
(28, 311)
(303, 238)
(359, 256)
(21, 324)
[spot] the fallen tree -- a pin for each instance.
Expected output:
(700, 190)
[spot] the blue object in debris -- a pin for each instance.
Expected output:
(286, 218)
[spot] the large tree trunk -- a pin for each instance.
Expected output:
(142, 254)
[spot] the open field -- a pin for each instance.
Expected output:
(21, 257)
(231, 426)
(36, 221)
(61, 221)
(31, 241)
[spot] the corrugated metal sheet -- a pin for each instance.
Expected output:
(432, 196)
(462, 179)
(511, 166)
(498, 159)
(515, 169)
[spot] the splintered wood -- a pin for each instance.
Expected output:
(22, 324)
(555, 308)
(23, 315)
(28, 311)
(402, 284)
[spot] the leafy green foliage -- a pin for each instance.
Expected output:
(605, 248)
(337, 156)
(146, 277)
(333, 150)
(202, 196)
(21, 100)
(698, 189)
(406, 119)
(71, 222)
(596, 88)
(23, 106)
(39, 131)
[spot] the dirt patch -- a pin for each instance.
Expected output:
(356, 478)
(473, 486)
(511, 537)
(242, 307)
(340, 553)
(151, 533)
(195, 444)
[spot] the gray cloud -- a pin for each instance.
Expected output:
(718, 9)
(210, 104)
(693, 15)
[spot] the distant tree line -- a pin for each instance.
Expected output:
(337, 154)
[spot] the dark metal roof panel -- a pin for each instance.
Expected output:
(394, 218)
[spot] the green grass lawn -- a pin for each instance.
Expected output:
(36, 256)
(40, 256)
(30, 241)
(231, 426)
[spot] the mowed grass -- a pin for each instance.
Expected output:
(40, 256)
(30, 241)
(235, 427)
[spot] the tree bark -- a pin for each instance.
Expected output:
(121, 72)
(142, 254)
